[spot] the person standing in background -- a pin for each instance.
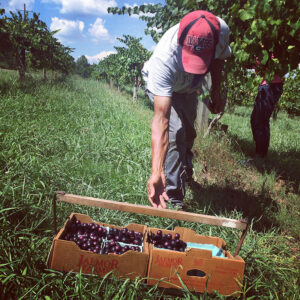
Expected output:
(267, 96)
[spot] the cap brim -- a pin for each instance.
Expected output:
(193, 64)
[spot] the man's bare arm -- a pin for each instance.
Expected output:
(159, 145)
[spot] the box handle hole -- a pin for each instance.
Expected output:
(195, 272)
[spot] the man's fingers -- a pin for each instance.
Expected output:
(166, 197)
(162, 201)
(151, 195)
(152, 202)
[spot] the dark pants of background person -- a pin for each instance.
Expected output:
(178, 163)
(267, 97)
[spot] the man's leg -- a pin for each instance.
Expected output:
(190, 114)
(181, 139)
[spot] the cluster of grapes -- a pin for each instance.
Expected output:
(160, 240)
(125, 236)
(117, 248)
(86, 236)
(91, 237)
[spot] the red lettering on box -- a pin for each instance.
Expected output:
(100, 266)
(167, 262)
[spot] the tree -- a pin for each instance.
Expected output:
(131, 58)
(109, 67)
(30, 36)
(82, 67)
(6, 49)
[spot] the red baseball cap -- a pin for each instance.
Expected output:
(197, 38)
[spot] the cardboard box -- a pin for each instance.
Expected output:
(197, 268)
(67, 256)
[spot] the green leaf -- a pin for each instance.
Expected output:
(245, 15)
(265, 57)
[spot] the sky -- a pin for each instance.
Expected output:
(85, 25)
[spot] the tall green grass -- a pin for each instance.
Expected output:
(78, 136)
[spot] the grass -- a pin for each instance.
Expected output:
(78, 136)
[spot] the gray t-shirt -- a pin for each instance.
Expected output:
(162, 73)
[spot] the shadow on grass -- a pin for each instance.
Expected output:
(286, 165)
(220, 200)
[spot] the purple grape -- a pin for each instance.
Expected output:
(159, 232)
(166, 244)
(80, 232)
(84, 225)
(169, 236)
(117, 238)
(124, 231)
(164, 236)
(84, 246)
(137, 241)
(123, 239)
(112, 243)
(140, 234)
(173, 243)
(109, 236)
(118, 247)
(97, 226)
(177, 236)
(99, 240)
(77, 222)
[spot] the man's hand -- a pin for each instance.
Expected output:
(156, 189)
